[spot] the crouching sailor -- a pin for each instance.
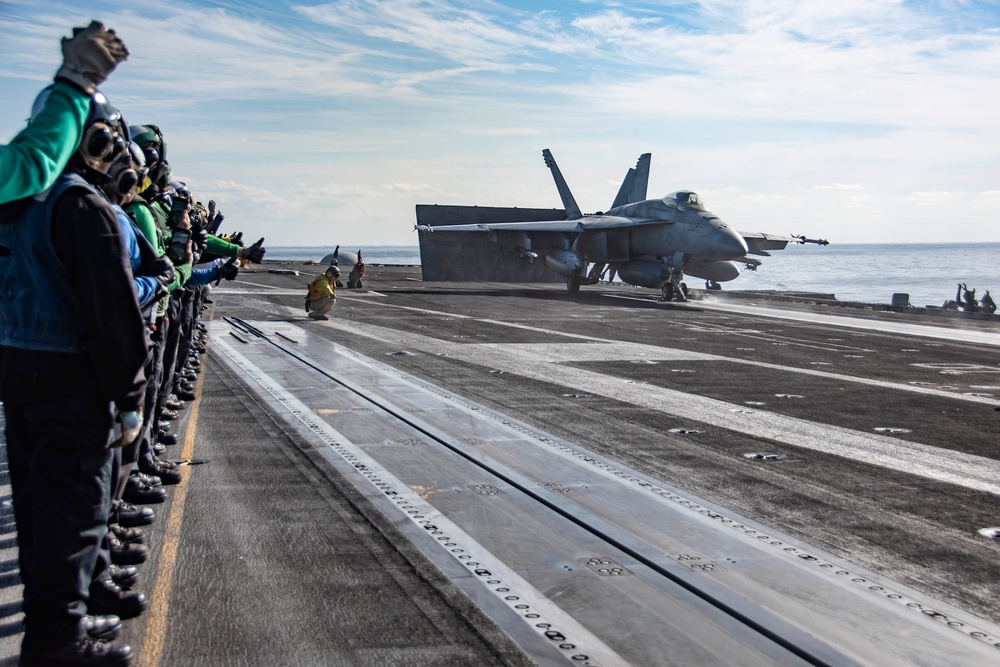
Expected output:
(322, 294)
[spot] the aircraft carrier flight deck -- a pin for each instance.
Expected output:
(506, 474)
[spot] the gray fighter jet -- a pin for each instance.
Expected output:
(646, 242)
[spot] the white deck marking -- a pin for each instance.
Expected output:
(637, 351)
(538, 609)
(924, 330)
(540, 362)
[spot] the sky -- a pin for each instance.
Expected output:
(315, 123)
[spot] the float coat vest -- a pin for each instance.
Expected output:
(38, 308)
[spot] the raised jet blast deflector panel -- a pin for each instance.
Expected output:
(475, 257)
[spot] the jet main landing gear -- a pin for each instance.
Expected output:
(668, 292)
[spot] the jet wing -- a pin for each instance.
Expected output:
(586, 223)
(759, 243)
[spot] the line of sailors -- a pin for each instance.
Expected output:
(965, 299)
(103, 274)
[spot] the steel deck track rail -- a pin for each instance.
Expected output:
(795, 640)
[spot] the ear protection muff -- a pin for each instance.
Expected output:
(150, 153)
(98, 141)
(126, 181)
(129, 170)
(101, 143)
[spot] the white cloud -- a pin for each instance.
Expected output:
(419, 188)
(931, 197)
(438, 27)
(234, 189)
(353, 110)
(838, 186)
(862, 201)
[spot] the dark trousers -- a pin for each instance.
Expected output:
(187, 325)
(129, 454)
(170, 343)
(102, 564)
(154, 374)
(60, 473)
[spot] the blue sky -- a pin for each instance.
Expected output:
(318, 123)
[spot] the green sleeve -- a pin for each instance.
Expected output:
(33, 160)
(157, 221)
(182, 272)
(144, 221)
(217, 246)
(161, 217)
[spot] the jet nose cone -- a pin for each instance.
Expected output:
(726, 244)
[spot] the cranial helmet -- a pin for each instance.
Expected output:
(334, 270)
(136, 158)
(181, 190)
(40, 100)
(154, 149)
(105, 133)
(146, 136)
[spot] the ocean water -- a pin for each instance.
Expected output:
(376, 254)
(871, 273)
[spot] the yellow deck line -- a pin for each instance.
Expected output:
(156, 624)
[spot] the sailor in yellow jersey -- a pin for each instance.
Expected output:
(322, 294)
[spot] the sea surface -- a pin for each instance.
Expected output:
(871, 273)
(376, 254)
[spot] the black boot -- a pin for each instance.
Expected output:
(149, 480)
(167, 438)
(125, 576)
(129, 515)
(141, 493)
(84, 651)
(127, 534)
(127, 553)
(167, 472)
(105, 628)
(106, 597)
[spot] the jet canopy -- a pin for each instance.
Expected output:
(684, 199)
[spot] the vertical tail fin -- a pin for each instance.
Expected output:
(641, 178)
(633, 188)
(572, 210)
(625, 191)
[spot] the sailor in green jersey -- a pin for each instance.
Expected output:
(34, 158)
